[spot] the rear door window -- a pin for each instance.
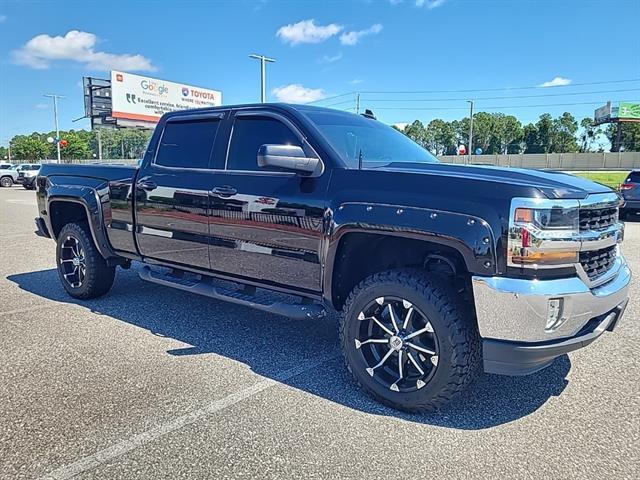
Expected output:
(187, 144)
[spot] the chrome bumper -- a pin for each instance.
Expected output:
(516, 310)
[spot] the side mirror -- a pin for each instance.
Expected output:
(288, 157)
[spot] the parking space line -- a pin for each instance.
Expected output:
(124, 446)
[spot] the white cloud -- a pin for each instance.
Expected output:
(306, 31)
(355, 81)
(296, 93)
(331, 58)
(77, 46)
(556, 82)
(41, 106)
(3, 18)
(430, 4)
(352, 38)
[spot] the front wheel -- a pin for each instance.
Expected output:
(84, 273)
(407, 340)
(6, 181)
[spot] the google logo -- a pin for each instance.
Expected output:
(154, 87)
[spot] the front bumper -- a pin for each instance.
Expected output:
(513, 317)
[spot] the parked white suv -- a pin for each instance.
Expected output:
(8, 174)
(26, 172)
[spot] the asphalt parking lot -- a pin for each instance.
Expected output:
(149, 382)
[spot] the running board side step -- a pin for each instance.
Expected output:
(296, 311)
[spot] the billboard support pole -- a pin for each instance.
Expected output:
(618, 136)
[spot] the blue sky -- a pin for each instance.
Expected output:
(323, 49)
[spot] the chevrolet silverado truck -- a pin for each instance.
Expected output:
(438, 270)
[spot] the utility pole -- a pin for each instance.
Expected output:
(357, 103)
(55, 115)
(263, 74)
(470, 128)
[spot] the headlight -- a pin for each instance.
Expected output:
(543, 233)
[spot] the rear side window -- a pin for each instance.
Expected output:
(249, 134)
(187, 144)
(634, 177)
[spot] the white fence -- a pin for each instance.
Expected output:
(555, 161)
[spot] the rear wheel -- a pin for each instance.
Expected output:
(407, 341)
(84, 273)
(6, 181)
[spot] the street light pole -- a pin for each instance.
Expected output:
(263, 74)
(470, 128)
(55, 115)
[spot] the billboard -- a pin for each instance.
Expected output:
(628, 110)
(146, 99)
(603, 114)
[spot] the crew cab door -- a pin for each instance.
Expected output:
(172, 192)
(266, 225)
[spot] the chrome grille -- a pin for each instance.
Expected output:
(597, 218)
(598, 262)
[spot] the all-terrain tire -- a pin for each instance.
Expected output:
(453, 325)
(98, 277)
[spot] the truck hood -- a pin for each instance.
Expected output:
(553, 185)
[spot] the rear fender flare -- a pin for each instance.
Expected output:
(94, 201)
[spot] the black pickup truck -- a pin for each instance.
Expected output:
(437, 269)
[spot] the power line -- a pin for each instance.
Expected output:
(502, 88)
(496, 107)
(331, 98)
(338, 103)
(500, 98)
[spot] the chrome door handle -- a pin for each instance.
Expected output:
(224, 191)
(147, 185)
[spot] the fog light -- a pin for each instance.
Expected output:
(554, 314)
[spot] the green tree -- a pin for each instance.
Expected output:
(589, 134)
(77, 145)
(440, 137)
(416, 132)
(563, 134)
(508, 133)
(630, 139)
(544, 135)
(29, 147)
(483, 127)
(530, 141)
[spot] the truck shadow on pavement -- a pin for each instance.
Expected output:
(270, 345)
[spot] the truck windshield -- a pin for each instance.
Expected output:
(358, 138)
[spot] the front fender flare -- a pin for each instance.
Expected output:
(470, 235)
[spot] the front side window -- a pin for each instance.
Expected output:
(187, 144)
(249, 134)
